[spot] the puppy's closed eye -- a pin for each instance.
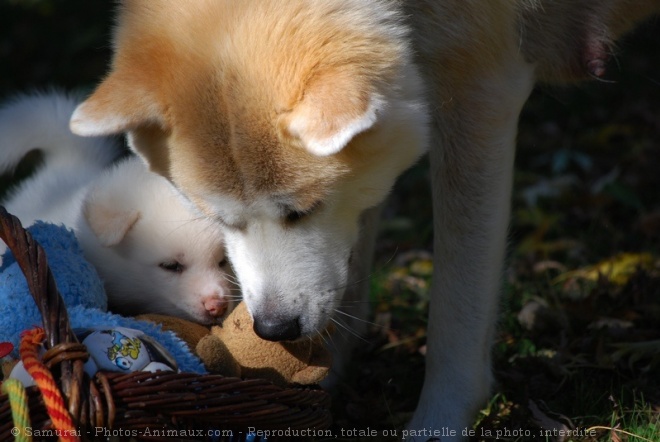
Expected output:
(172, 266)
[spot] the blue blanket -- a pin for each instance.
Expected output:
(82, 291)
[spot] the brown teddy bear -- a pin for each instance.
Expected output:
(233, 349)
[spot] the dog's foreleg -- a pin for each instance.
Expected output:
(471, 171)
(480, 60)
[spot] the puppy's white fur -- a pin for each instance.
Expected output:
(154, 253)
(285, 121)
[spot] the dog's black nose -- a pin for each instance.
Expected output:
(275, 329)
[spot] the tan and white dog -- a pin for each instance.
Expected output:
(286, 121)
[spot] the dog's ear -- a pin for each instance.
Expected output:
(110, 224)
(335, 107)
(118, 104)
(150, 143)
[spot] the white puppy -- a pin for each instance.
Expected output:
(153, 252)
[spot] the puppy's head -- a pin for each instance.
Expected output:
(281, 121)
(154, 253)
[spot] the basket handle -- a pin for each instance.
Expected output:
(31, 259)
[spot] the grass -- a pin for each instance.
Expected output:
(577, 342)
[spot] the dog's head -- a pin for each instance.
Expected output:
(154, 253)
(283, 121)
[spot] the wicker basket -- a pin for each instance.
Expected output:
(130, 403)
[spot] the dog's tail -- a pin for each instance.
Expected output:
(40, 121)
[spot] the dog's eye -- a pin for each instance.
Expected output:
(223, 263)
(293, 216)
(171, 266)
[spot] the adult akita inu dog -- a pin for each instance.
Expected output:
(286, 120)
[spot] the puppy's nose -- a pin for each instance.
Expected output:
(215, 306)
(275, 329)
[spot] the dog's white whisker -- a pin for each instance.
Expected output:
(323, 338)
(329, 335)
(368, 277)
(349, 304)
(358, 318)
(231, 279)
(348, 329)
(340, 328)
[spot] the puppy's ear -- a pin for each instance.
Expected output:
(335, 107)
(119, 104)
(109, 223)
